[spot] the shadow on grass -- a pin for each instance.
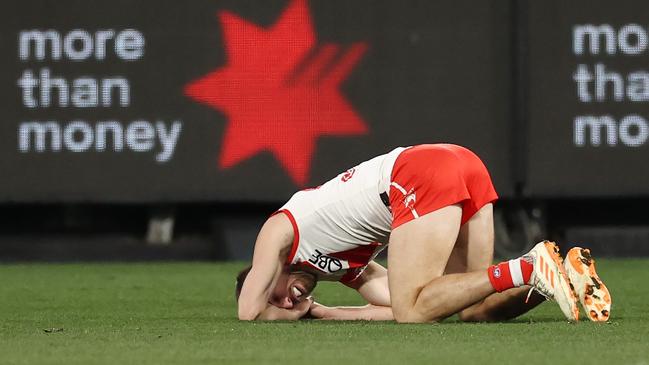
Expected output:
(450, 322)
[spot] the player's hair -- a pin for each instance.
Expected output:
(241, 277)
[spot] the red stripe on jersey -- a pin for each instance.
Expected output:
(350, 276)
(296, 234)
(359, 256)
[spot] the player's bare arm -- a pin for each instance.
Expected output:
(372, 285)
(268, 263)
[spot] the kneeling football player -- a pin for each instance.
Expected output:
(432, 205)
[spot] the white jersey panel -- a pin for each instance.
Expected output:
(344, 213)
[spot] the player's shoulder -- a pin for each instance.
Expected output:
(277, 231)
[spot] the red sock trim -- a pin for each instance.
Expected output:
(500, 277)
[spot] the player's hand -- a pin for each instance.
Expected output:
(273, 313)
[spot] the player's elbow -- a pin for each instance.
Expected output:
(245, 314)
(246, 317)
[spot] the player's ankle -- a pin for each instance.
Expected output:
(510, 274)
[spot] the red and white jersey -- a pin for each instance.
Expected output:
(343, 224)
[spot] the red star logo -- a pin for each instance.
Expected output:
(279, 90)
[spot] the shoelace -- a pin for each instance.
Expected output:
(529, 294)
(538, 283)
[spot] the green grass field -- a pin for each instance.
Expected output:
(185, 314)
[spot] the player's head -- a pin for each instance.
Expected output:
(292, 287)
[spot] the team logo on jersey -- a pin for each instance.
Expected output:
(497, 273)
(410, 199)
(348, 175)
(325, 263)
(280, 90)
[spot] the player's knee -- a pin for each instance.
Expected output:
(414, 317)
(412, 314)
(402, 311)
(400, 314)
(419, 306)
(405, 317)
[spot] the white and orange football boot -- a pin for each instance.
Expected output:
(549, 278)
(591, 291)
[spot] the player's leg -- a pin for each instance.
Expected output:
(541, 266)
(473, 251)
(418, 254)
(426, 197)
(435, 189)
(474, 248)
